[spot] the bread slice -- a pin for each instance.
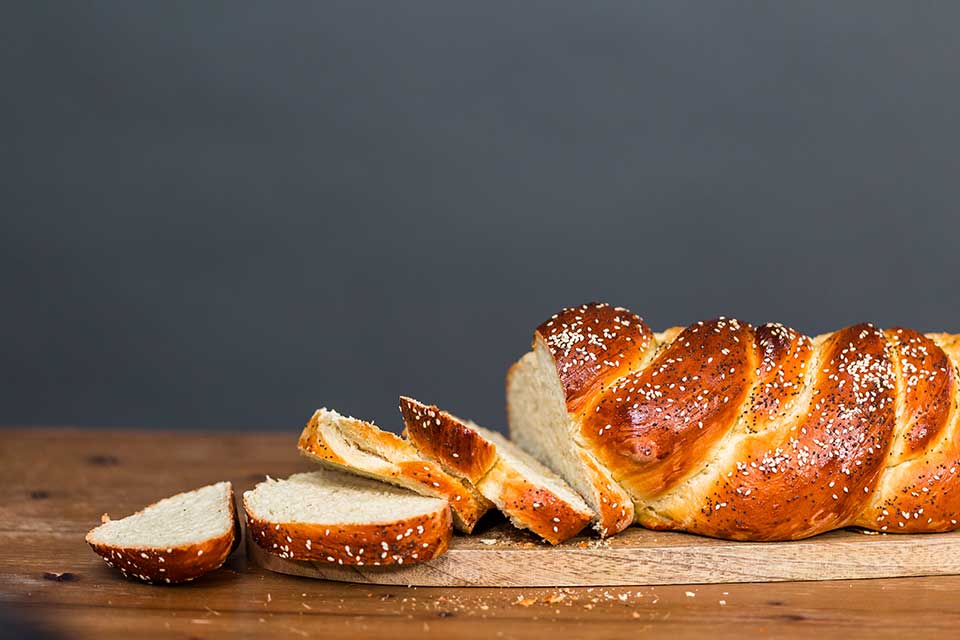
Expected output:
(177, 539)
(529, 494)
(341, 518)
(355, 446)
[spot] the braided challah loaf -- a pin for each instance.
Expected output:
(741, 432)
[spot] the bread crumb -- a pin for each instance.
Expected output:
(524, 602)
(105, 518)
(487, 541)
(691, 594)
(554, 598)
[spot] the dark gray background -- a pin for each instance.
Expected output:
(223, 215)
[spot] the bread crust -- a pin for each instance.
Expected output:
(464, 451)
(593, 345)
(444, 437)
(171, 565)
(398, 463)
(406, 541)
(534, 507)
(615, 508)
(640, 428)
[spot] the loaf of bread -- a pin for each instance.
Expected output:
(742, 432)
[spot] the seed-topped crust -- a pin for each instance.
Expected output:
(170, 565)
(406, 541)
(593, 344)
(680, 402)
(532, 506)
(444, 437)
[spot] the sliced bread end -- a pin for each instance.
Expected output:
(174, 540)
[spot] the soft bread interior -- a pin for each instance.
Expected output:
(328, 497)
(186, 518)
(539, 422)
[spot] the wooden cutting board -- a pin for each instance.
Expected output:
(504, 557)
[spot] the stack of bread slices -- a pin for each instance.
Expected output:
(376, 498)
(383, 499)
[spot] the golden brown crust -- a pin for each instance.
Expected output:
(798, 482)
(444, 437)
(534, 507)
(398, 463)
(919, 491)
(592, 345)
(406, 541)
(928, 388)
(467, 503)
(784, 357)
(171, 565)
(767, 434)
(615, 509)
(655, 425)
(451, 441)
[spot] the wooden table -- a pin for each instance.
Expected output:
(55, 483)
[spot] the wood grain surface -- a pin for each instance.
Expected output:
(640, 557)
(55, 483)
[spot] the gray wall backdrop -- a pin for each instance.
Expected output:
(223, 215)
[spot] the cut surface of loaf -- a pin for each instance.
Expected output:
(355, 446)
(334, 517)
(750, 433)
(529, 494)
(540, 423)
(174, 540)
